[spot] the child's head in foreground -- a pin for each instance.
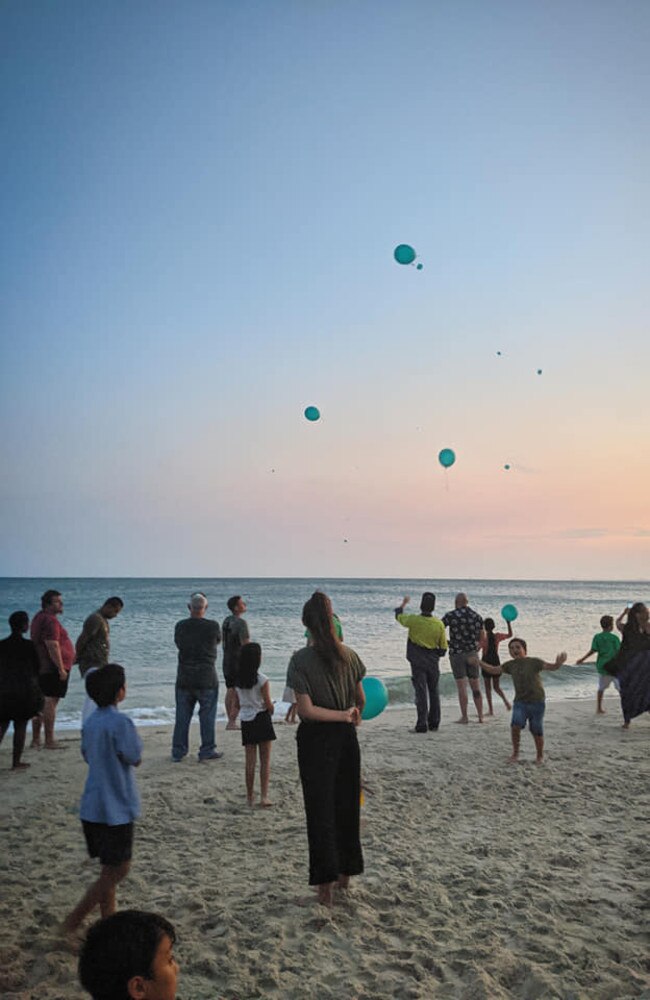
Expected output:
(129, 956)
(607, 623)
(518, 648)
(107, 685)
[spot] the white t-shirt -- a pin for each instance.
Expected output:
(250, 699)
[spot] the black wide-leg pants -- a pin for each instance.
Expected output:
(330, 770)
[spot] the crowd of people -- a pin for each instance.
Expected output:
(324, 682)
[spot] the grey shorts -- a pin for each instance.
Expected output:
(461, 668)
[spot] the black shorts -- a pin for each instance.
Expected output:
(259, 730)
(230, 677)
(51, 684)
(113, 845)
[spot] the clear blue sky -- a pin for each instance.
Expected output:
(200, 203)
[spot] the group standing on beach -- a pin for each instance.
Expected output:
(325, 677)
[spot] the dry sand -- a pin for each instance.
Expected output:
(483, 881)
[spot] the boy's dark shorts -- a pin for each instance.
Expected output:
(113, 845)
(51, 684)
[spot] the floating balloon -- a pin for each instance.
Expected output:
(418, 267)
(312, 413)
(499, 354)
(509, 612)
(376, 694)
(446, 457)
(539, 371)
(506, 467)
(404, 254)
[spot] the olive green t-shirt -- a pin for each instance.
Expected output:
(309, 674)
(525, 677)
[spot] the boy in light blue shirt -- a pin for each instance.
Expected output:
(110, 803)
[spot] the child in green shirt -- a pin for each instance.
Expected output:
(606, 644)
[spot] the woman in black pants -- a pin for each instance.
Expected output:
(326, 677)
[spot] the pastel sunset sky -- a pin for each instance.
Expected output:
(200, 205)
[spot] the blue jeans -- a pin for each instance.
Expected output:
(531, 712)
(186, 699)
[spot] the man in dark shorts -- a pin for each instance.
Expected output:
(465, 634)
(235, 635)
(56, 655)
(196, 638)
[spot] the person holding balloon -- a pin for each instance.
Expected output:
(426, 644)
(326, 677)
(490, 653)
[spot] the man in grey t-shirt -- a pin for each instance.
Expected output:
(197, 638)
(465, 634)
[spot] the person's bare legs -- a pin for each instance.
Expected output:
(599, 704)
(49, 718)
(265, 772)
(291, 714)
(500, 692)
(232, 708)
(461, 684)
(488, 694)
(539, 746)
(515, 732)
(37, 722)
(101, 893)
(478, 697)
(251, 761)
(20, 732)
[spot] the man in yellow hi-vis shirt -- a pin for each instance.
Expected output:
(427, 642)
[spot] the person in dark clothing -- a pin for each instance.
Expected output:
(426, 644)
(326, 677)
(197, 638)
(20, 695)
(631, 665)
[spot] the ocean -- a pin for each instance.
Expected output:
(554, 615)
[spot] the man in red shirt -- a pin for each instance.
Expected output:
(55, 655)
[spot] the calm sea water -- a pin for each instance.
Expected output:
(553, 616)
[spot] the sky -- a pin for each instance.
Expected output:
(200, 203)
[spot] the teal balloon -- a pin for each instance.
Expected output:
(376, 694)
(509, 612)
(447, 457)
(404, 254)
(539, 371)
(419, 267)
(312, 413)
(506, 466)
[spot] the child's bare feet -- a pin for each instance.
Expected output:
(600, 711)
(20, 767)
(56, 745)
(462, 721)
(265, 804)
(232, 725)
(626, 725)
(513, 758)
(539, 760)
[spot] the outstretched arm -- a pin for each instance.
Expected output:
(559, 660)
(585, 657)
(490, 668)
(620, 621)
(400, 608)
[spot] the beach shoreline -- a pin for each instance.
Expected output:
(482, 880)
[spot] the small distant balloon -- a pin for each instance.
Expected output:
(509, 612)
(312, 413)
(404, 254)
(345, 540)
(539, 371)
(506, 467)
(446, 457)
(498, 354)
(418, 267)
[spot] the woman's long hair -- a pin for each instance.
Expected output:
(632, 621)
(491, 653)
(250, 658)
(317, 617)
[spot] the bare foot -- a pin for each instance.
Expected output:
(250, 801)
(490, 712)
(35, 745)
(513, 759)
(266, 804)
(539, 760)
(626, 725)
(343, 882)
(232, 725)
(325, 894)
(56, 745)
(508, 705)
(20, 766)
(462, 721)
(600, 711)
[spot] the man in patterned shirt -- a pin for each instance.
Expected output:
(465, 633)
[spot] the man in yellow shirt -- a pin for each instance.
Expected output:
(427, 642)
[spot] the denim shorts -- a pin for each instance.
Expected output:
(531, 712)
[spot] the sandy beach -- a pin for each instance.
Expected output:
(483, 881)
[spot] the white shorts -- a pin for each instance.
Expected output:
(604, 680)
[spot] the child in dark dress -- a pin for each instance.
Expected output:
(20, 695)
